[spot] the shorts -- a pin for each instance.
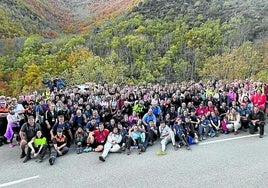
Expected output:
(96, 144)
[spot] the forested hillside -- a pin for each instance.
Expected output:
(132, 41)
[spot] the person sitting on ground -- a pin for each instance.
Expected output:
(27, 132)
(80, 139)
(59, 146)
(181, 134)
(257, 119)
(204, 128)
(134, 138)
(38, 146)
(192, 133)
(244, 113)
(151, 134)
(233, 121)
(215, 122)
(224, 123)
(96, 139)
(112, 144)
(167, 136)
(123, 132)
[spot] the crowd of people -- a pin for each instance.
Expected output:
(102, 118)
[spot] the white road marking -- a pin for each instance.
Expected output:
(228, 139)
(18, 181)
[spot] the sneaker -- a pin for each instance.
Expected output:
(204, 137)
(123, 148)
(212, 135)
(128, 151)
(139, 151)
(188, 148)
(235, 133)
(261, 136)
(51, 160)
(161, 153)
(26, 159)
(175, 147)
(88, 149)
(101, 158)
(196, 140)
(11, 145)
(79, 150)
(22, 155)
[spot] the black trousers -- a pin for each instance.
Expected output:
(254, 128)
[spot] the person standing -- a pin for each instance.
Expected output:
(50, 120)
(3, 119)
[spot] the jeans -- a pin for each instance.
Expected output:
(130, 142)
(54, 153)
(203, 128)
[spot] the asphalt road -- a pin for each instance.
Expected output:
(225, 161)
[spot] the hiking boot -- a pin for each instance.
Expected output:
(22, 155)
(101, 158)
